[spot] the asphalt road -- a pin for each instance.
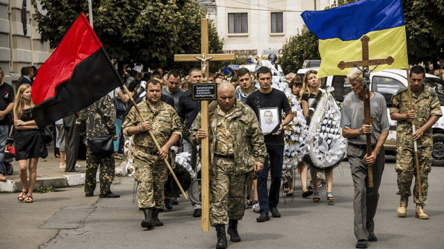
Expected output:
(66, 219)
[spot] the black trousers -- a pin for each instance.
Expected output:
(72, 140)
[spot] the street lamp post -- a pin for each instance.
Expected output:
(90, 13)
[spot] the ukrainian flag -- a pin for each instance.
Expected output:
(340, 29)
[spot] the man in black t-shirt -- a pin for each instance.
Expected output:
(188, 110)
(269, 98)
(6, 106)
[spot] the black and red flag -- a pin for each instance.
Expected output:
(78, 73)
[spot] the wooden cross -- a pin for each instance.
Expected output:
(204, 58)
(365, 60)
(365, 63)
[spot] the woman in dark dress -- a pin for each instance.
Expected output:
(28, 142)
(309, 90)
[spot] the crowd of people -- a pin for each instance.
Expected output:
(243, 155)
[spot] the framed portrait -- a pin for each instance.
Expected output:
(269, 119)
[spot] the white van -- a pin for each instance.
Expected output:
(387, 83)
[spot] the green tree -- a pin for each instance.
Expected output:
(424, 21)
(303, 46)
(145, 31)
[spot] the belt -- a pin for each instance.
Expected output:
(225, 156)
(361, 146)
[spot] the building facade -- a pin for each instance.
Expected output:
(252, 27)
(18, 49)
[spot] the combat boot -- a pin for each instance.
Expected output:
(148, 221)
(221, 237)
(402, 209)
(156, 220)
(420, 213)
(232, 231)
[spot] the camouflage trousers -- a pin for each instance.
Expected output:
(106, 175)
(227, 192)
(406, 169)
(151, 173)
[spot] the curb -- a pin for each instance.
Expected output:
(11, 186)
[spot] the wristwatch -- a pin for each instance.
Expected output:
(360, 131)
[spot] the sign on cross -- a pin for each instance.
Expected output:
(204, 59)
(365, 63)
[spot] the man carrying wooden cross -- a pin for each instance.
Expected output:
(363, 34)
(353, 127)
(237, 148)
(204, 59)
(426, 111)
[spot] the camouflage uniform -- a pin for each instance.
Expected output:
(425, 105)
(98, 120)
(237, 138)
(151, 172)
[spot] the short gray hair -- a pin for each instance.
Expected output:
(355, 74)
(292, 75)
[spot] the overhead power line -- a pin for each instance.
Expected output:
(261, 9)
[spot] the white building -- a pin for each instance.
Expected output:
(17, 49)
(251, 27)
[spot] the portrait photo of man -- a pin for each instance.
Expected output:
(269, 120)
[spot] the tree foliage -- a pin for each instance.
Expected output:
(424, 21)
(303, 46)
(144, 31)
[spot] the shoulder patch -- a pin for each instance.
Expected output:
(435, 104)
(401, 90)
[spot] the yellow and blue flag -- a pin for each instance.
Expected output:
(340, 29)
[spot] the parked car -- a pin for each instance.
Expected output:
(311, 63)
(387, 83)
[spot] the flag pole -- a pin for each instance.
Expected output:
(415, 143)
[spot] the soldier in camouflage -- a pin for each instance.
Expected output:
(426, 111)
(98, 120)
(151, 172)
(237, 148)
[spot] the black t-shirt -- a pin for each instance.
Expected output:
(275, 98)
(6, 97)
(307, 96)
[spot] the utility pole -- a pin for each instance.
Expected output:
(90, 13)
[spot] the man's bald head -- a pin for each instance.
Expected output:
(225, 86)
(225, 96)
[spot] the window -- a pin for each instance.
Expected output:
(277, 22)
(238, 23)
(341, 86)
(386, 86)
